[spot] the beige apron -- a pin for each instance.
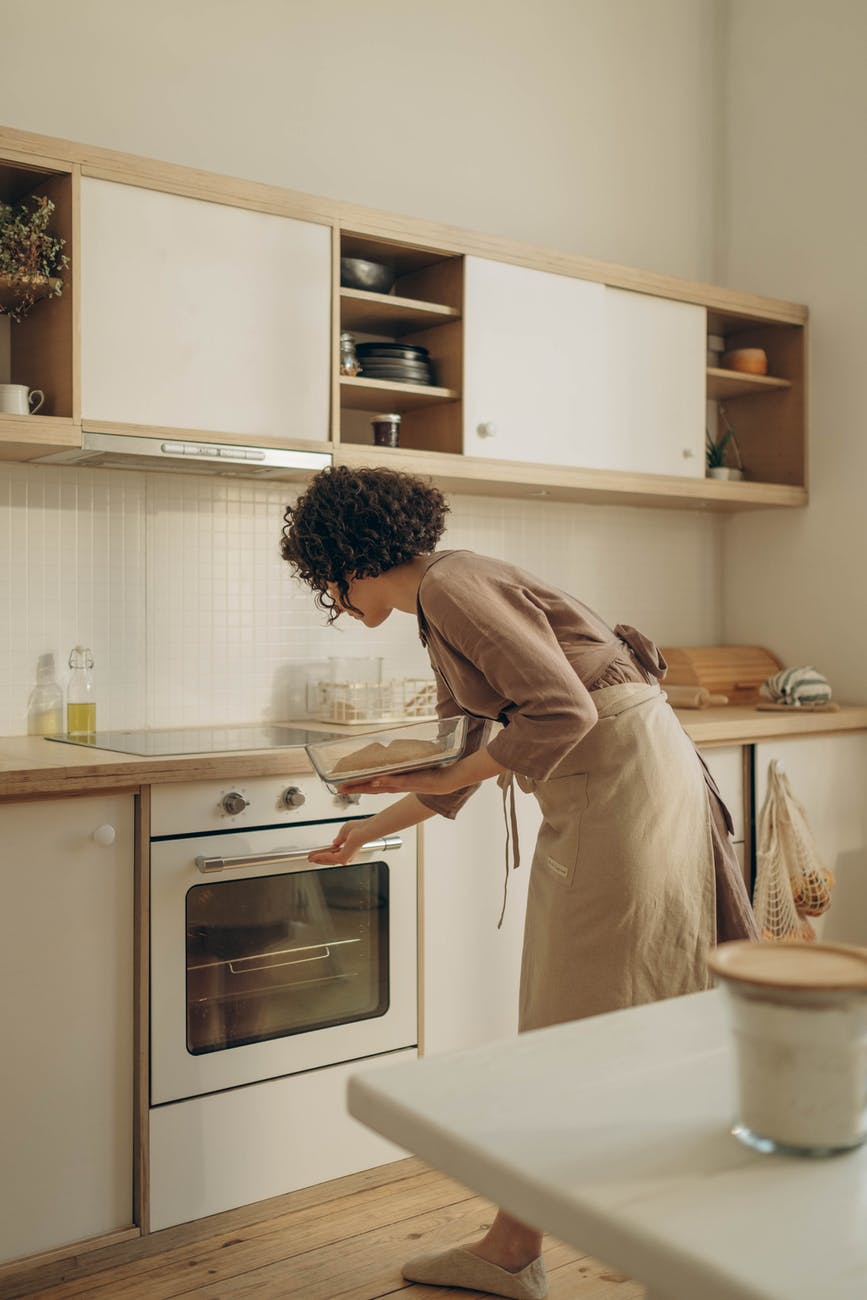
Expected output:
(621, 904)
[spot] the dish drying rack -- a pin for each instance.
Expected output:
(400, 700)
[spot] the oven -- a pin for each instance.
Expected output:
(263, 964)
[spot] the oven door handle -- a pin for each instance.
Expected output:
(291, 855)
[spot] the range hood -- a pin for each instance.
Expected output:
(128, 451)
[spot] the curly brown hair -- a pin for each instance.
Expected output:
(357, 523)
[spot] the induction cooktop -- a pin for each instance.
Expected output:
(198, 740)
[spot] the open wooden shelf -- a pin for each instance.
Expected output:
(379, 395)
(382, 313)
(732, 383)
(480, 477)
(42, 347)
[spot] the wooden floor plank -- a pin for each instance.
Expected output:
(347, 1243)
(328, 1224)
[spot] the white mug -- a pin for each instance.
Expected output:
(17, 399)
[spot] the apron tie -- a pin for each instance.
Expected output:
(506, 782)
(647, 654)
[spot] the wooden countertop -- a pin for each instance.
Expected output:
(31, 766)
(735, 725)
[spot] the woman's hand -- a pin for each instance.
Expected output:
(345, 846)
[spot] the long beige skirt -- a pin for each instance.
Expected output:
(621, 904)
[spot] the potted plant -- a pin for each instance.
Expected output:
(715, 457)
(30, 255)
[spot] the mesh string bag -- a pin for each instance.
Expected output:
(792, 882)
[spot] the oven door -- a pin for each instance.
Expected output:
(264, 964)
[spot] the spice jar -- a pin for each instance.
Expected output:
(386, 430)
(349, 363)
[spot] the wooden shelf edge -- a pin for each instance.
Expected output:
(733, 383)
(26, 437)
(386, 300)
(562, 483)
(380, 394)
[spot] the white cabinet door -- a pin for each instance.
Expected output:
(726, 768)
(66, 1016)
(828, 775)
(656, 352)
(470, 969)
(534, 378)
(197, 315)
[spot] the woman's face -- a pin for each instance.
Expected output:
(369, 595)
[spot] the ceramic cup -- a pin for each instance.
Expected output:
(798, 1014)
(18, 399)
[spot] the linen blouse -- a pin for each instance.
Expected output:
(507, 647)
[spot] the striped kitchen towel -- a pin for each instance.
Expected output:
(797, 686)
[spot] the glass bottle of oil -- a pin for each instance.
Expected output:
(80, 699)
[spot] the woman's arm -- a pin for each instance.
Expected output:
(352, 835)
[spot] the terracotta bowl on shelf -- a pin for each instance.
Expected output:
(749, 361)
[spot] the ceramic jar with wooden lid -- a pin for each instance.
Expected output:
(799, 1018)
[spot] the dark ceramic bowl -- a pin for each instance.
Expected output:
(357, 273)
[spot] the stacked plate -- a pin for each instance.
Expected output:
(398, 363)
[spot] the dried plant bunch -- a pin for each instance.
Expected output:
(31, 255)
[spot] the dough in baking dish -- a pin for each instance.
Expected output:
(376, 756)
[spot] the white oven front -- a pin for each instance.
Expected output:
(264, 964)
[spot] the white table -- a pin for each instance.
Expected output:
(613, 1135)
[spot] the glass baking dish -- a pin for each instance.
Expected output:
(400, 749)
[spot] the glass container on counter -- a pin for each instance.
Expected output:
(80, 696)
(45, 706)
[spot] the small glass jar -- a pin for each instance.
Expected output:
(386, 430)
(349, 363)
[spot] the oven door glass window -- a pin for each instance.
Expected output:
(285, 954)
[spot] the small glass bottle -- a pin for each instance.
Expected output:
(386, 430)
(349, 363)
(45, 706)
(80, 700)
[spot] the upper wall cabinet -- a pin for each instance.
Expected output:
(196, 315)
(563, 371)
(534, 380)
(655, 385)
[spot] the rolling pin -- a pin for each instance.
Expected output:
(692, 697)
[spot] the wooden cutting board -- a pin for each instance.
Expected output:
(733, 670)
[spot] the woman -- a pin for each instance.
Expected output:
(633, 876)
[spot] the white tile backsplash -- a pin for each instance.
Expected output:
(177, 585)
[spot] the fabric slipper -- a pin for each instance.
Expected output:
(460, 1267)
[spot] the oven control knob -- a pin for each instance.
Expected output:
(347, 799)
(293, 797)
(234, 803)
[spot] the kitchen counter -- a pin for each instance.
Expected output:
(31, 766)
(737, 725)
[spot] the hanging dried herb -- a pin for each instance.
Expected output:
(30, 254)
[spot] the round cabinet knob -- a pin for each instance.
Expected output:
(105, 835)
(487, 429)
(688, 453)
(347, 799)
(234, 803)
(293, 797)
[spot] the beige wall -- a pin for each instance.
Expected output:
(587, 125)
(795, 186)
